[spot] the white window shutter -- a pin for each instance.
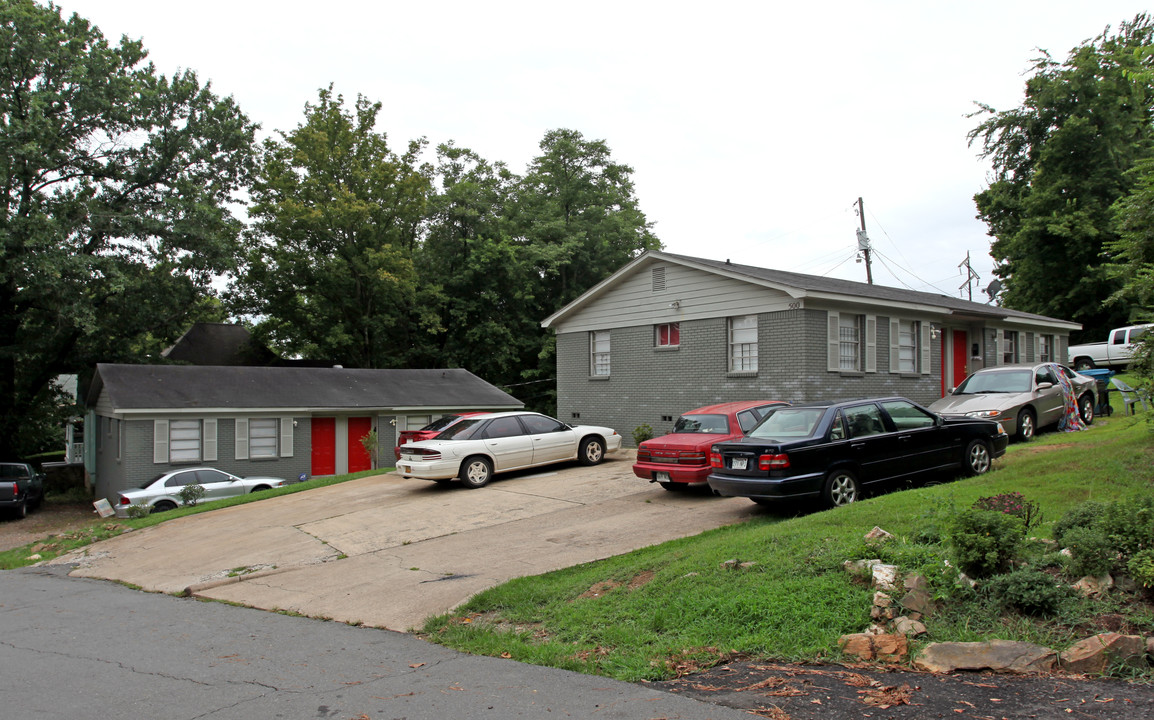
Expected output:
(871, 343)
(997, 347)
(927, 351)
(833, 359)
(286, 437)
(208, 427)
(242, 438)
(160, 441)
(895, 335)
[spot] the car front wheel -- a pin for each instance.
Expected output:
(841, 488)
(1026, 425)
(1086, 408)
(977, 460)
(476, 472)
(592, 451)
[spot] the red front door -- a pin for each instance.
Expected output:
(359, 458)
(324, 446)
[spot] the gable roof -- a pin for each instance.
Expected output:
(800, 285)
(181, 388)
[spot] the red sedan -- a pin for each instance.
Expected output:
(430, 431)
(681, 459)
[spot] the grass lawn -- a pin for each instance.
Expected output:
(682, 605)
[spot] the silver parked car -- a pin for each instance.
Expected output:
(163, 491)
(1022, 398)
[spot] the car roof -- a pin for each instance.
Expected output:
(731, 407)
(847, 403)
(1015, 366)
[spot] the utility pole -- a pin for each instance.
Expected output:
(971, 276)
(863, 243)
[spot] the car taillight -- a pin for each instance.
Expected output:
(125, 501)
(643, 454)
(715, 458)
(773, 462)
(425, 453)
(691, 458)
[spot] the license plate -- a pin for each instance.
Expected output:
(738, 463)
(661, 477)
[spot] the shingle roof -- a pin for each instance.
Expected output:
(802, 284)
(817, 283)
(187, 387)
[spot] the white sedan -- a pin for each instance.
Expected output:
(476, 448)
(163, 491)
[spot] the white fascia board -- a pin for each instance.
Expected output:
(1040, 322)
(837, 300)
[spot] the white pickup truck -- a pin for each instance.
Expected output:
(1115, 352)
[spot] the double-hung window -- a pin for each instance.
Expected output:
(849, 342)
(907, 346)
(262, 434)
(184, 441)
(1045, 351)
(1009, 347)
(668, 335)
(599, 353)
(743, 344)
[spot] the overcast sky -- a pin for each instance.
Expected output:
(752, 129)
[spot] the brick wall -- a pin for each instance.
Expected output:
(647, 384)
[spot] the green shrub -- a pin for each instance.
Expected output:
(1080, 516)
(1091, 552)
(138, 511)
(1028, 591)
(983, 541)
(1013, 503)
(1129, 524)
(642, 432)
(191, 494)
(1141, 568)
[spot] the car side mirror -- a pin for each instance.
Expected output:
(1045, 385)
(952, 390)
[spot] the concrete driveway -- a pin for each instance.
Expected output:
(389, 552)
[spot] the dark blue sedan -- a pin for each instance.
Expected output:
(834, 451)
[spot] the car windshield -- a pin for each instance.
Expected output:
(789, 423)
(1004, 381)
(460, 431)
(713, 424)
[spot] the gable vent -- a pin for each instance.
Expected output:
(658, 279)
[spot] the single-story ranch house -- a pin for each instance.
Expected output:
(668, 333)
(280, 421)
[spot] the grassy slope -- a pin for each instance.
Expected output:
(687, 606)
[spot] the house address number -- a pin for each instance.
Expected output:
(795, 306)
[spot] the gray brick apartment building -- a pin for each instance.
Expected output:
(668, 333)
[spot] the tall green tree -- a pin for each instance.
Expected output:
(116, 183)
(577, 210)
(484, 278)
(1060, 162)
(336, 214)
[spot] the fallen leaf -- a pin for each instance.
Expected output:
(506, 655)
(417, 665)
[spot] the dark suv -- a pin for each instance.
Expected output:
(21, 488)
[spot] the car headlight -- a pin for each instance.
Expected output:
(984, 413)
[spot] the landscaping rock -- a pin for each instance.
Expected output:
(1125, 584)
(860, 567)
(885, 576)
(908, 626)
(919, 601)
(916, 581)
(995, 655)
(882, 648)
(1091, 586)
(878, 535)
(1150, 647)
(1094, 655)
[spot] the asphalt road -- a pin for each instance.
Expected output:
(79, 648)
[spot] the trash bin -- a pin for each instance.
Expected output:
(1102, 378)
